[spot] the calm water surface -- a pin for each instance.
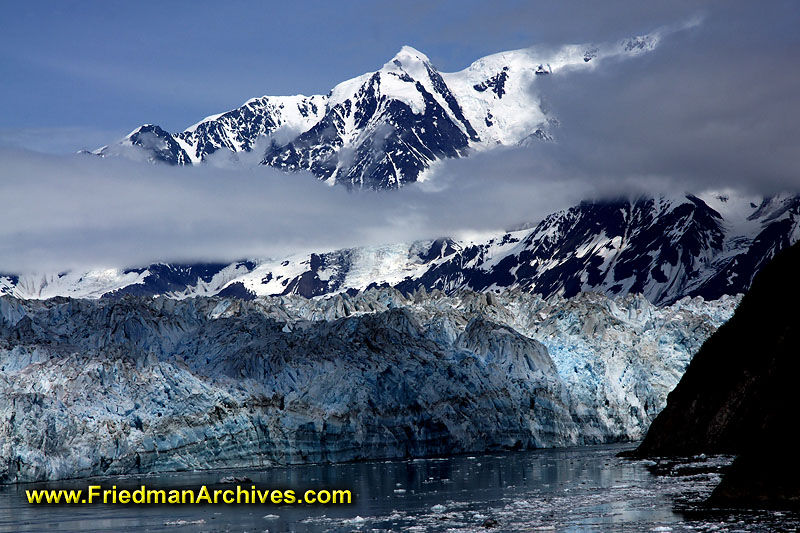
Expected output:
(574, 489)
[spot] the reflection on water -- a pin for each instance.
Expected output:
(576, 489)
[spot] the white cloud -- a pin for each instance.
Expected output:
(715, 108)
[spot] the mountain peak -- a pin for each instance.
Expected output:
(413, 113)
(411, 54)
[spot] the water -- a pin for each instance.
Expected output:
(574, 489)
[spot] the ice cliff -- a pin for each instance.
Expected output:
(92, 387)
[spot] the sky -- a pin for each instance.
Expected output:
(714, 107)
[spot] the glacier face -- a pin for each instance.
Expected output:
(663, 248)
(383, 129)
(130, 385)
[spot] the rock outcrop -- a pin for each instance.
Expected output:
(738, 395)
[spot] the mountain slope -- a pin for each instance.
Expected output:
(739, 395)
(731, 391)
(384, 128)
(663, 248)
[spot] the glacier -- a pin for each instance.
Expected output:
(143, 384)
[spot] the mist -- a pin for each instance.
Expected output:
(83, 211)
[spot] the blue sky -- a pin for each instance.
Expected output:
(77, 74)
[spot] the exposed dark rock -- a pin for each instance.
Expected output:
(237, 290)
(739, 394)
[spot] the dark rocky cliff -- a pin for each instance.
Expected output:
(739, 394)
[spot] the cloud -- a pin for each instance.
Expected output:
(711, 108)
(84, 211)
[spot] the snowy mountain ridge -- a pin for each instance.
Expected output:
(383, 129)
(663, 248)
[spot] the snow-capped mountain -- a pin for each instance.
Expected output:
(384, 128)
(662, 248)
